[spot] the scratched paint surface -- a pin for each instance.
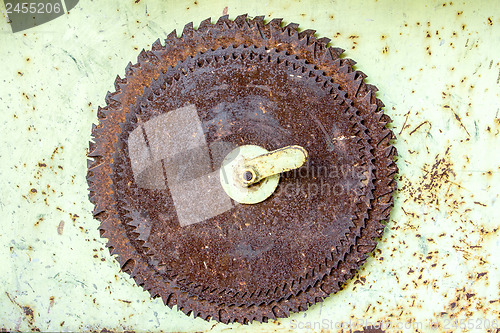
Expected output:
(437, 66)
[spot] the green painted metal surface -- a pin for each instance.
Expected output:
(437, 65)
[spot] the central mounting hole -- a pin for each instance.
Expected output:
(248, 176)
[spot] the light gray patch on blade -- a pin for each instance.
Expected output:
(219, 150)
(175, 132)
(199, 199)
(148, 173)
(174, 145)
(152, 177)
(189, 164)
(138, 151)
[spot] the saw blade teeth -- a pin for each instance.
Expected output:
(188, 30)
(126, 126)
(147, 93)
(373, 108)
(241, 21)
(94, 130)
(356, 86)
(372, 87)
(258, 19)
(110, 98)
(324, 41)
(136, 109)
(306, 34)
(142, 56)
(97, 151)
(292, 26)
(367, 99)
(337, 63)
(171, 37)
(360, 75)
(129, 70)
(97, 169)
(326, 57)
(91, 162)
(170, 300)
(351, 76)
(106, 224)
(275, 23)
(153, 56)
(348, 62)
(224, 22)
(157, 45)
(119, 82)
(336, 51)
(280, 311)
(311, 47)
(122, 260)
(156, 86)
(344, 69)
(205, 24)
(100, 113)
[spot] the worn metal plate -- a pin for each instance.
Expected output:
(437, 68)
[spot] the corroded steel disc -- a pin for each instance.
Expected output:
(158, 149)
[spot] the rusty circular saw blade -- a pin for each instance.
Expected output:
(192, 232)
(139, 228)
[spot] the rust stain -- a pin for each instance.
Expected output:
(435, 186)
(124, 301)
(416, 128)
(73, 216)
(406, 119)
(40, 219)
(27, 311)
(457, 117)
(51, 304)
(60, 228)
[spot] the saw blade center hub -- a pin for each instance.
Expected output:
(250, 174)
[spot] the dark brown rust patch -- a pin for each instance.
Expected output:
(219, 237)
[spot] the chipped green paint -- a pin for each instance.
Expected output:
(437, 66)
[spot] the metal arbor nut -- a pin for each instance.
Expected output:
(215, 81)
